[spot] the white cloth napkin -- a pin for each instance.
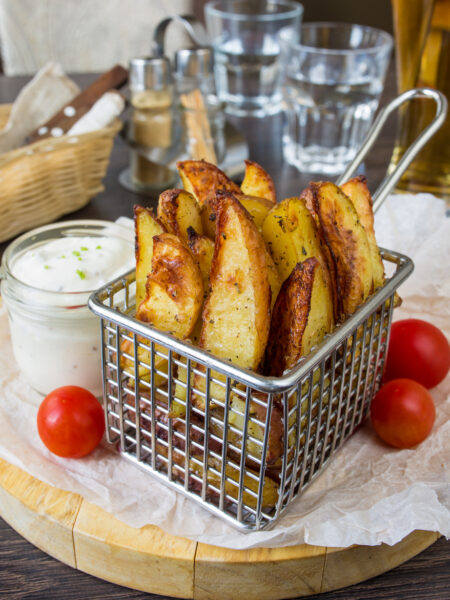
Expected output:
(48, 91)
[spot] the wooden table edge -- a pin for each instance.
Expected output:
(83, 536)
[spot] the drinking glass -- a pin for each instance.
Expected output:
(244, 35)
(422, 45)
(332, 81)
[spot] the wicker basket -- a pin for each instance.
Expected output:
(43, 181)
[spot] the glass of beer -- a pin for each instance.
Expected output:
(422, 39)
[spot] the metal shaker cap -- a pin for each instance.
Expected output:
(194, 62)
(149, 73)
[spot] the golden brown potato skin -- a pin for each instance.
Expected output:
(203, 179)
(257, 182)
(275, 437)
(292, 236)
(236, 316)
(356, 189)
(174, 288)
(178, 210)
(289, 318)
(146, 226)
(347, 243)
(257, 207)
(202, 248)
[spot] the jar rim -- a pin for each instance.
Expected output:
(91, 225)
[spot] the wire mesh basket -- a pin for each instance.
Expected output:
(241, 444)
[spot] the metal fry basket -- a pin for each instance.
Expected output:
(257, 442)
(240, 444)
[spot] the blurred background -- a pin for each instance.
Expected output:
(92, 35)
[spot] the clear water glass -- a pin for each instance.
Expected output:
(332, 81)
(245, 38)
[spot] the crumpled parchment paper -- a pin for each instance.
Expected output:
(369, 494)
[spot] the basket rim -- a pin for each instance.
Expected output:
(57, 143)
(272, 385)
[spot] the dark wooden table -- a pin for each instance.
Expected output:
(26, 572)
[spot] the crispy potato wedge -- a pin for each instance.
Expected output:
(356, 189)
(302, 316)
(237, 312)
(236, 316)
(143, 357)
(208, 214)
(146, 226)
(178, 210)
(203, 179)
(174, 288)
(232, 472)
(260, 206)
(257, 182)
(292, 236)
(348, 245)
(256, 429)
(202, 247)
(256, 207)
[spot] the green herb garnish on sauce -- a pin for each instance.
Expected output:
(81, 274)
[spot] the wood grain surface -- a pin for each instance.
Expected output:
(26, 572)
(89, 539)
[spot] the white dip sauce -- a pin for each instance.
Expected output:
(57, 346)
(73, 264)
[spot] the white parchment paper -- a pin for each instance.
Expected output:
(368, 495)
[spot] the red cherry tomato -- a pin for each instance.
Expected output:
(418, 351)
(403, 413)
(70, 421)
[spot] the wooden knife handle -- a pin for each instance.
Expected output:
(69, 114)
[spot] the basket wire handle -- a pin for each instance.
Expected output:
(390, 181)
(192, 26)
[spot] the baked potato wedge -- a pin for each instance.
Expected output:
(256, 207)
(232, 472)
(347, 242)
(356, 189)
(203, 179)
(236, 315)
(302, 316)
(260, 208)
(178, 210)
(143, 357)
(174, 292)
(202, 247)
(257, 414)
(291, 235)
(257, 182)
(146, 226)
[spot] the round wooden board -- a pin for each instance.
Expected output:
(85, 537)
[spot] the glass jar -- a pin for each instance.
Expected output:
(55, 337)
